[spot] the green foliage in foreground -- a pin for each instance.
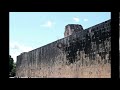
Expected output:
(12, 67)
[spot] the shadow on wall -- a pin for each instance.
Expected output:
(84, 54)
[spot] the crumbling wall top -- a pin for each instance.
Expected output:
(72, 28)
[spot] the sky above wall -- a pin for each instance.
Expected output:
(30, 30)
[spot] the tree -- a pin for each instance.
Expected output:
(12, 67)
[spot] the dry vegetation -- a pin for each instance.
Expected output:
(83, 68)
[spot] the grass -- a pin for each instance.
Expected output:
(83, 68)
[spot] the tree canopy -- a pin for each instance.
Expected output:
(12, 67)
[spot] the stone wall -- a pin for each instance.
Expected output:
(71, 29)
(93, 41)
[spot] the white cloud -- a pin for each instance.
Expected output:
(85, 20)
(48, 24)
(76, 19)
(17, 48)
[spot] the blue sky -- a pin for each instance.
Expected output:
(30, 30)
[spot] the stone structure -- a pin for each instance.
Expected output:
(72, 29)
(92, 41)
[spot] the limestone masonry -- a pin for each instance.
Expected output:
(95, 40)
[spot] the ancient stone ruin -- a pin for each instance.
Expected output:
(77, 45)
